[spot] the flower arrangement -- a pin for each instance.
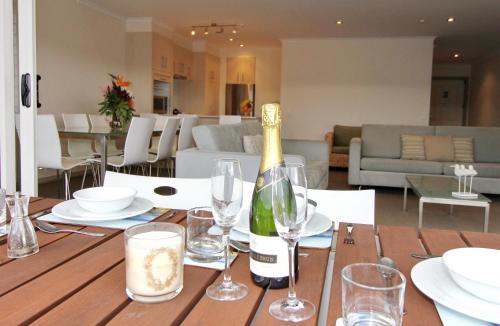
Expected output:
(118, 102)
(246, 107)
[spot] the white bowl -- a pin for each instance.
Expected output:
(476, 270)
(105, 199)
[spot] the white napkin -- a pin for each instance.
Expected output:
(321, 241)
(118, 224)
(218, 265)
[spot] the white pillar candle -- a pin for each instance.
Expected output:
(154, 263)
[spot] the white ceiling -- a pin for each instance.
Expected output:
(475, 32)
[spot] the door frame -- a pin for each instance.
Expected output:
(465, 104)
(7, 101)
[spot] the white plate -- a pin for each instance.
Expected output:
(432, 278)
(317, 224)
(70, 210)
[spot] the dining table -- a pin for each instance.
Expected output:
(81, 279)
(102, 135)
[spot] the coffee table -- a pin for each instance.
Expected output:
(437, 190)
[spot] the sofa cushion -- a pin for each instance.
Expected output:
(252, 144)
(316, 172)
(439, 148)
(412, 147)
(485, 170)
(342, 134)
(251, 128)
(486, 140)
(385, 140)
(398, 165)
(464, 149)
(340, 149)
(223, 138)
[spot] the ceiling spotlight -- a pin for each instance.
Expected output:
(456, 55)
(339, 22)
(242, 45)
(421, 21)
(231, 39)
(234, 30)
(193, 32)
(451, 19)
(206, 31)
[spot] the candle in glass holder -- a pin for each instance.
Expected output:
(154, 255)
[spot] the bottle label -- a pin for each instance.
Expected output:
(268, 256)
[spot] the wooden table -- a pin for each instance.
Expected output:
(80, 279)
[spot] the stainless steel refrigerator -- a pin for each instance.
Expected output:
(237, 95)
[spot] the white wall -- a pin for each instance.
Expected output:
(354, 81)
(77, 48)
(267, 74)
(485, 93)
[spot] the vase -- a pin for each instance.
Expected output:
(115, 124)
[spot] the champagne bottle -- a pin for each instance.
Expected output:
(268, 252)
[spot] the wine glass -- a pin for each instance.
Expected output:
(289, 200)
(227, 197)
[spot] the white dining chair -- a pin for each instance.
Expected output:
(229, 119)
(164, 147)
(48, 151)
(98, 121)
(136, 147)
(186, 139)
(78, 148)
(160, 121)
(342, 206)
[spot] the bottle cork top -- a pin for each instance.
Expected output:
(271, 115)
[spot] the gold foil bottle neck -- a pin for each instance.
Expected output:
(271, 115)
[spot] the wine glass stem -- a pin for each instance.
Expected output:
(227, 272)
(292, 297)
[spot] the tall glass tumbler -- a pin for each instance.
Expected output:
(372, 294)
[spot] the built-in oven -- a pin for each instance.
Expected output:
(160, 104)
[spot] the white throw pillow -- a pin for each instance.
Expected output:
(252, 144)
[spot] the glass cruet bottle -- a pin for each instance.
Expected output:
(22, 240)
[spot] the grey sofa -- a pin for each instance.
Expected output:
(374, 159)
(226, 141)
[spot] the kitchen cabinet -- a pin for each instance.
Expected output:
(163, 58)
(240, 70)
(183, 62)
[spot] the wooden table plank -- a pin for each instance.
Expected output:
(241, 312)
(399, 243)
(94, 303)
(364, 250)
(437, 242)
(43, 240)
(43, 204)
(483, 240)
(22, 270)
(309, 286)
(196, 280)
(35, 298)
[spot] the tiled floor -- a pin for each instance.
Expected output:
(388, 207)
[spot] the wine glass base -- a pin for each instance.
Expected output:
(222, 292)
(280, 309)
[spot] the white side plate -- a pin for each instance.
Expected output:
(70, 210)
(432, 278)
